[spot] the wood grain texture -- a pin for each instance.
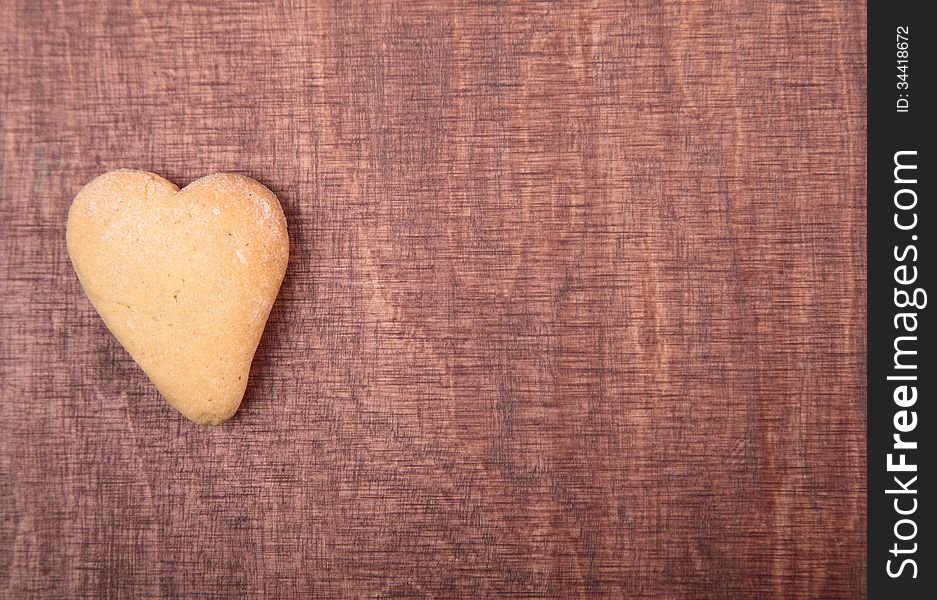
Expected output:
(575, 305)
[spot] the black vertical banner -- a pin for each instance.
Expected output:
(902, 372)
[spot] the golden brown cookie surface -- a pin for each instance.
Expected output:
(185, 279)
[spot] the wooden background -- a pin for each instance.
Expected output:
(575, 306)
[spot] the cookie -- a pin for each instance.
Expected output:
(184, 279)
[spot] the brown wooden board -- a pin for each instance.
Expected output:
(575, 306)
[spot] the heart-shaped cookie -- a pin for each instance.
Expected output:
(184, 279)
